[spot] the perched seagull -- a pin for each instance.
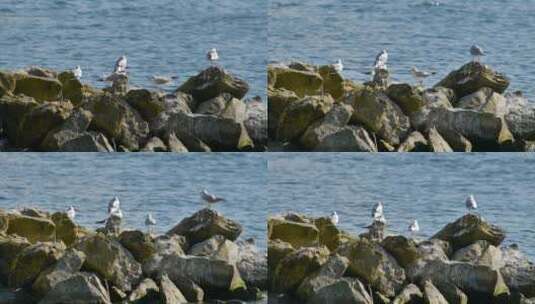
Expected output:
(334, 218)
(212, 56)
(77, 71)
(381, 60)
(114, 204)
(377, 212)
(338, 66)
(121, 65)
(414, 227)
(71, 213)
(210, 198)
(150, 222)
(476, 51)
(420, 75)
(471, 203)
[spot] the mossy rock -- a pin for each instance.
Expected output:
(12, 111)
(72, 87)
(407, 97)
(33, 228)
(297, 234)
(66, 230)
(40, 88)
(7, 83)
(277, 250)
(139, 244)
(31, 261)
(301, 82)
(278, 100)
(147, 103)
(333, 82)
(10, 247)
(329, 234)
(403, 249)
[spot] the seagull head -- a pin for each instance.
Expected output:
(333, 213)
(213, 50)
(339, 61)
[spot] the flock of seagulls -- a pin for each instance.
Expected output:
(378, 215)
(115, 213)
(419, 75)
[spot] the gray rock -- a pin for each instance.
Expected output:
(410, 294)
(70, 263)
(346, 290)
(437, 142)
(328, 274)
(191, 291)
(154, 144)
(432, 295)
(170, 294)
(87, 142)
(336, 118)
(347, 139)
(415, 142)
(81, 288)
(518, 272)
(146, 291)
(76, 124)
(480, 253)
(216, 247)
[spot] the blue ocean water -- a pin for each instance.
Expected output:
(164, 37)
(431, 35)
(166, 185)
(428, 187)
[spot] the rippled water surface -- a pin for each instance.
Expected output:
(166, 185)
(430, 188)
(166, 37)
(431, 35)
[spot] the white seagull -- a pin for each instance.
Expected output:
(77, 71)
(71, 213)
(414, 227)
(150, 222)
(381, 60)
(420, 75)
(334, 218)
(471, 203)
(377, 212)
(114, 204)
(476, 51)
(212, 55)
(210, 198)
(121, 65)
(338, 66)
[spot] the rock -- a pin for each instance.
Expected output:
(81, 288)
(225, 106)
(301, 82)
(415, 142)
(518, 272)
(117, 120)
(335, 119)
(329, 273)
(457, 142)
(219, 133)
(468, 229)
(7, 83)
(427, 251)
(147, 291)
(174, 144)
(346, 290)
(452, 293)
(147, 103)
(33, 228)
(278, 100)
(329, 234)
(436, 142)
(381, 78)
(10, 247)
(380, 115)
(277, 250)
(432, 295)
(299, 115)
(4, 221)
(173, 103)
(296, 234)
(473, 76)
(170, 294)
(296, 266)
(252, 265)
(438, 97)
(256, 123)
(410, 99)
(370, 262)
(204, 224)
(40, 120)
(40, 88)
(410, 294)
(164, 245)
(73, 126)
(88, 142)
(31, 261)
(154, 144)
(521, 121)
(480, 253)
(213, 82)
(12, 111)
(216, 247)
(70, 263)
(347, 139)
(72, 88)
(191, 291)
(484, 100)
(41, 72)
(111, 261)
(333, 82)
(140, 245)
(404, 250)
(524, 300)
(66, 230)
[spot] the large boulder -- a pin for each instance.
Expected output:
(418, 109)
(170, 294)
(154, 144)
(87, 142)
(204, 224)
(299, 115)
(10, 247)
(296, 266)
(347, 139)
(256, 123)
(33, 228)
(521, 121)
(473, 76)
(484, 100)
(141, 246)
(81, 288)
(40, 120)
(225, 106)
(410, 99)
(76, 124)
(296, 234)
(66, 229)
(302, 82)
(147, 291)
(12, 111)
(191, 291)
(480, 253)
(469, 229)
(277, 250)
(252, 264)
(345, 290)
(72, 88)
(117, 120)
(336, 118)
(333, 81)
(436, 142)
(278, 100)
(110, 260)
(148, 104)
(329, 234)
(7, 83)
(31, 261)
(415, 142)
(216, 247)
(432, 295)
(404, 250)
(370, 262)
(213, 82)
(40, 88)
(329, 273)
(380, 115)
(164, 245)
(518, 272)
(410, 294)
(4, 221)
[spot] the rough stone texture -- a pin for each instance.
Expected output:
(140, 245)
(253, 265)
(301, 82)
(336, 118)
(277, 250)
(154, 144)
(147, 103)
(72, 88)
(297, 234)
(437, 142)
(346, 290)
(415, 142)
(7, 83)
(81, 288)
(480, 253)
(33, 228)
(191, 291)
(66, 230)
(518, 272)
(147, 291)
(76, 124)
(88, 142)
(31, 261)
(407, 97)
(484, 100)
(170, 294)
(329, 272)
(410, 294)
(40, 88)
(333, 82)
(432, 295)
(278, 100)
(213, 82)
(347, 139)
(404, 250)
(12, 111)
(10, 247)
(216, 247)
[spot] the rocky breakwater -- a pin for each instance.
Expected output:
(47, 258)
(43, 110)
(315, 109)
(311, 260)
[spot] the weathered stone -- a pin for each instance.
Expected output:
(10, 247)
(216, 247)
(81, 288)
(72, 88)
(154, 144)
(409, 295)
(333, 81)
(438, 97)
(40, 88)
(147, 291)
(12, 111)
(174, 144)
(191, 291)
(415, 142)
(301, 82)
(164, 245)
(147, 103)
(346, 290)
(41, 72)
(170, 294)
(66, 230)
(256, 123)
(204, 224)
(140, 245)
(432, 295)
(252, 265)
(173, 103)
(295, 233)
(407, 97)
(213, 82)
(225, 106)
(33, 228)
(336, 118)
(518, 272)
(521, 121)
(404, 250)
(88, 142)
(278, 100)
(473, 76)
(436, 142)
(4, 221)
(347, 139)
(7, 83)
(329, 273)
(480, 253)
(31, 261)
(277, 250)
(457, 142)
(484, 100)
(75, 125)
(329, 234)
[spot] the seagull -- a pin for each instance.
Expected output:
(414, 227)
(71, 213)
(338, 66)
(476, 51)
(77, 71)
(334, 218)
(420, 75)
(149, 222)
(212, 56)
(471, 203)
(381, 60)
(210, 198)
(377, 212)
(121, 65)
(114, 204)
